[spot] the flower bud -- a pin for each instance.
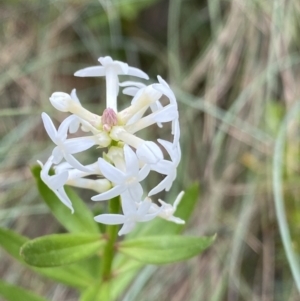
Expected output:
(61, 101)
(109, 119)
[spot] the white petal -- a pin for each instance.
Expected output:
(168, 146)
(148, 217)
(131, 160)
(77, 145)
(128, 204)
(74, 96)
(144, 207)
(64, 126)
(105, 60)
(61, 194)
(136, 192)
(110, 219)
(176, 220)
(127, 227)
(161, 186)
(162, 81)
(107, 195)
(74, 126)
(91, 71)
(165, 89)
(168, 113)
(130, 83)
(164, 167)
(149, 152)
(57, 155)
(143, 173)
(120, 67)
(59, 180)
(75, 163)
(176, 132)
(131, 91)
(110, 172)
(49, 127)
(137, 72)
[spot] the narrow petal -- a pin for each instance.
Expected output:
(131, 91)
(49, 127)
(77, 145)
(168, 113)
(107, 195)
(160, 187)
(148, 217)
(136, 192)
(137, 72)
(91, 72)
(143, 173)
(176, 132)
(110, 172)
(131, 160)
(130, 83)
(128, 204)
(164, 167)
(127, 227)
(75, 163)
(149, 152)
(168, 146)
(64, 126)
(61, 194)
(59, 180)
(144, 207)
(74, 96)
(165, 89)
(110, 219)
(57, 155)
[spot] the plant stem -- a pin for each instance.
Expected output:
(112, 234)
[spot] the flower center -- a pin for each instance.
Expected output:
(109, 119)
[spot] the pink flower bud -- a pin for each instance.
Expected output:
(109, 119)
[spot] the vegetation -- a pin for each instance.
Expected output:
(234, 67)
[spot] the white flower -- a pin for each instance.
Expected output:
(131, 216)
(66, 147)
(127, 180)
(167, 210)
(175, 154)
(61, 101)
(111, 70)
(149, 153)
(56, 182)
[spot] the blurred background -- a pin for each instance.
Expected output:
(234, 67)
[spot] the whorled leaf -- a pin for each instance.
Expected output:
(72, 275)
(61, 249)
(164, 249)
(14, 293)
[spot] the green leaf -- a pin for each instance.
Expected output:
(11, 242)
(81, 221)
(60, 249)
(13, 293)
(97, 292)
(164, 249)
(72, 275)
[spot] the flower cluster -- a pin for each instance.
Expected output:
(127, 159)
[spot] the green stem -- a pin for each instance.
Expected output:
(112, 234)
